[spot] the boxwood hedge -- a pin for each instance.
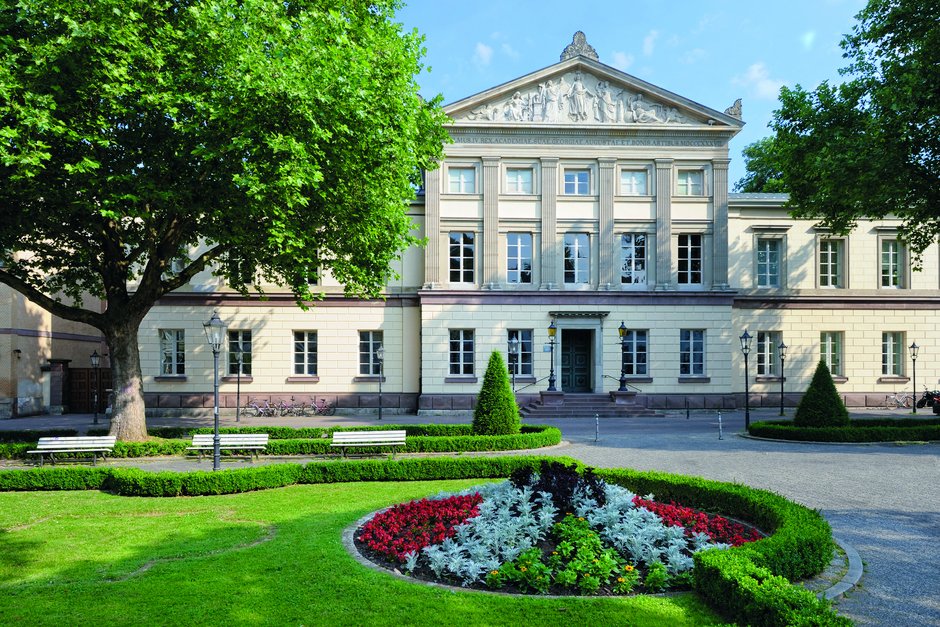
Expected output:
(861, 430)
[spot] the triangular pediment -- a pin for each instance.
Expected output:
(581, 91)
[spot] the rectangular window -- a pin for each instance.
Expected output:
(690, 183)
(690, 259)
(892, 354)
(768, 262)
(519, 258)
(369, 342)
(462, 180)
(633, 183)
(577, 182)
(305, 353)
(461, 257)
(577, 258)
(830, 263)
(768, 355)
(522, 363)
(461, 352)
(518, 180)
(891, 259)
(830, 349)
(239, 350)
(691, 352)
(172, 352)
(635, 356)
(633, 259)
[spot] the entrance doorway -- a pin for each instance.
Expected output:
(576, 360)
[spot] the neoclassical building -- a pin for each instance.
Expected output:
(582, 200)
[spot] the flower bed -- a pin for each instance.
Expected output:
(556, 531)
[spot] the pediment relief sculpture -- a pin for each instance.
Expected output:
(577, 97)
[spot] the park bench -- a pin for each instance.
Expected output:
(79, 444)
(357, 439)
(253, 443)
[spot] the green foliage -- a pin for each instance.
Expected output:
(656, 577)
(762, 170)
(821, 405)
(870, 147)
(496, 412)
(33, 436)
(858, 431)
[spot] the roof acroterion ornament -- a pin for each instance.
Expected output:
(579, 47)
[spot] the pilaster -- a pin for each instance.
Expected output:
(490, 275)
(549, 224)
(609, 264)
(432, 228)
(720, 228)
(664, 225)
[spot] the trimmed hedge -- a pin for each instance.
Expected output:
(27, 435)
(868, 430)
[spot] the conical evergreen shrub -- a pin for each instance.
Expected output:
(821, 406)
(497, 412)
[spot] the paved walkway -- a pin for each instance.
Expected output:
(883, 499)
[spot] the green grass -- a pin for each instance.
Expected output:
(260, 558)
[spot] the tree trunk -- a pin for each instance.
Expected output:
(128, 420)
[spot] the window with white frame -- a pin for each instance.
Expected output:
(831, 262)
(892, 354)
(461, 179)
(634, 183)
(369, 343)
(830, 351)
(690, 259)
(239, 353)
(768, 355)
(461, 352)
(519, 180)
(305, 353)
(577, 258)
(691, 352)
(690, 183)
(518, 257)
(577, 182)
(522, 362)
(462, 256)
(172, 352)
(633, 259)
(892, 261)
(768, 262)
(634, 353)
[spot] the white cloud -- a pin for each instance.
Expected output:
(693, 56)
(622, 60)
(482, 54)
(649, 41)
(758, 82)
(808, 38)
(509, 51)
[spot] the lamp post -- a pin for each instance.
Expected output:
(513, 359)
(783, 355)
(96, 364)
(380, 357)
(914, 348)
(622, 330)
(746, 349)
(238, 382)
(215, 335)
(552, 329)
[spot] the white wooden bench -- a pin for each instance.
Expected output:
(251, 442)
(103, 444)
(346, 439)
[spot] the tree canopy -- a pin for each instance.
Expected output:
(276, 138)
(763, 172)
(870, 147)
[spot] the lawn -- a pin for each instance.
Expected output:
(270, 557)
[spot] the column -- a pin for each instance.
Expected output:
(608, 276)
(720, 227)
(432, 229)
(549, 223)
(490, 275)
(664, 225)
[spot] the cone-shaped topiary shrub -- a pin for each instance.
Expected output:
(496, 412)
(821, 406)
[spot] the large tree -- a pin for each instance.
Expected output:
(763, 170)
(276, 138)
(870, 147)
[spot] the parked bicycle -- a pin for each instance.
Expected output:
(896, 401)
(323, 408)
(256, 408)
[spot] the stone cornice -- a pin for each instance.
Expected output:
(564, 299)
(839, 299)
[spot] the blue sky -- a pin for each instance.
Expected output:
(711, 52)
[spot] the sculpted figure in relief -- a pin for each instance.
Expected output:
(548, 101)
(644, 112)
(515, 108)
(605, 109)
(577, 99)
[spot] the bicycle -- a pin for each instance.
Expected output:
(897, 401)
(323, 408)
(256, 409)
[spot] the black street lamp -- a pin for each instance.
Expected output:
(746, 349)
(513, 359)
(914, 348)
(380, 357)
(552, 329)
(215, 335)
(783, 355)
(96, 364)
(622, 330)
(238, 381)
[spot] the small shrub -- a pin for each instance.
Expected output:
(496, 412)
(821, 405)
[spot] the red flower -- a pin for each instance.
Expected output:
(717, 528)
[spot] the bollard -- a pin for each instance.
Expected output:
(686, 407)
(597, 427)
(719, 425)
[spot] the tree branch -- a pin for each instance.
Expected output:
(51, 305)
